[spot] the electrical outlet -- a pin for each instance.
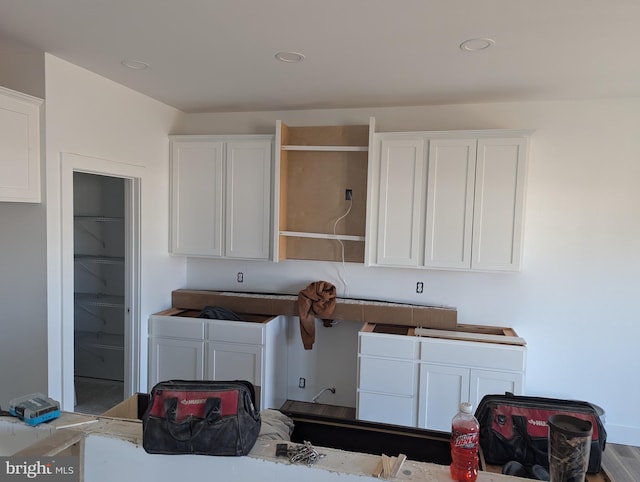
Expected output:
(240, 277)
(302, 382)
(348, 194)
(419, 287)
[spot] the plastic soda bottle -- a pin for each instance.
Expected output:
(465, 440)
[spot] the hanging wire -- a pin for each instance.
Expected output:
(344, 266)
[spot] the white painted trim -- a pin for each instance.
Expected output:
(457, 134)
(275, 194)
(133, 280)
(20, 96)
(219, 137)
(60, 323)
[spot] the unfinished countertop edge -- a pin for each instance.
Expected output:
(339, 461)
(346, 309)
(463, 332)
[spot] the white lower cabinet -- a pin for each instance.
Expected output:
(387, 391)
(441, 388)
(385, 408)
(455, 371)
(420, 382)
(198, 349)
(484, 382)
(235, 361)
(387, 379)
(171, 359)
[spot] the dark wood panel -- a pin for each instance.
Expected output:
(367, 437)
(334, 411)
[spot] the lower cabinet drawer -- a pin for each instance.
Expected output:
(391, 346)
(473, 354)
(377, 407)
(388, 376)
(176, 327)
(236, 332)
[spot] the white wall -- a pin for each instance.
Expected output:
(23, 297)
(89, 115)
(23, 289)
(575, 299)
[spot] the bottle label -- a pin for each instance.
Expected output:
(466, 440)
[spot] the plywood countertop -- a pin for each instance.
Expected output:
(481, 333)
(70, 430)
(347, 309)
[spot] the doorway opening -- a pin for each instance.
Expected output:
(98, 336)
(99, 291)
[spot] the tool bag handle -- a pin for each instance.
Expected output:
(196, 424)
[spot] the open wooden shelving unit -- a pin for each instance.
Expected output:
(317, 165)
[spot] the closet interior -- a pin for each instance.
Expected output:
(99, 291)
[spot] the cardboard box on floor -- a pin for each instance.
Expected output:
(388, 313)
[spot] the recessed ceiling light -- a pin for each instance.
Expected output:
(135, 64)
(290, 57)
(477, 44)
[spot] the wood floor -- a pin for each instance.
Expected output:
(621, 463)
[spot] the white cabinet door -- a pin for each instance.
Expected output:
(487, 382)
(234, 361)
(442, 389)
(400, 202)
(472, 192)
(248, 199)
(19, 147)
(499, 203)
(175, 359)
(197, 198)
(221, 196)
(452, 170)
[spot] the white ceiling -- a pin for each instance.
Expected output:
(218, 55)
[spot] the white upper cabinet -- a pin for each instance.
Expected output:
(221, 196)
(197, 196)
(400, 201)
(248, 199)
(499, 204)
(450, 185)
(19, 147)
(466, 213)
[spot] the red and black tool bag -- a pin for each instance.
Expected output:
(514, 427)
(201, 417)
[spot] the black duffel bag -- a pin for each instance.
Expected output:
(514, 427)
(201, 417)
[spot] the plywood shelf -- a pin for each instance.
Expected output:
(342, 237)
(327, 148)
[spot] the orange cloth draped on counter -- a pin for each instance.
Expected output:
(317, 299)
